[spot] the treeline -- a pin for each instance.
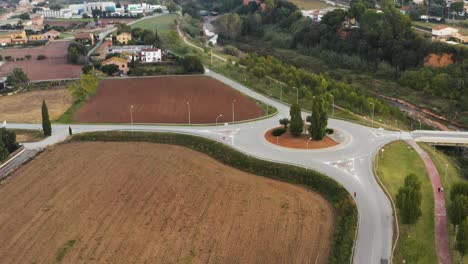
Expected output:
(310, 85)
(8, 143)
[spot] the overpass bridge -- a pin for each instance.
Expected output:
(441, 138)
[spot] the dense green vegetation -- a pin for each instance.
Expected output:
(361, 41)
(416, 242)
(8, 143)
(345, 210)
(46, 125)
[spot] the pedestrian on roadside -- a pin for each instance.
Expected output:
(354, 194)
(70, 132)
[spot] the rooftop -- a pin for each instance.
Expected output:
(110, 60)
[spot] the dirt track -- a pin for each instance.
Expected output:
(54, 67)
(151, 203)
(164, 100)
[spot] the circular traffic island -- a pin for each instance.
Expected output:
(278, 136)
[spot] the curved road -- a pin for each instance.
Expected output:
(349, 163)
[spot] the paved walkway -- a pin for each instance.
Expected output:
(440, 216)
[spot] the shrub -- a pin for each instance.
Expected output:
(278, 132)
(28, 57)
(329, 131)
(41, 57)
(231, 50)
(8, 58)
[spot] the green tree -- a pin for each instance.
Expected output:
(458, 210)
(408, 200)
(17, 78)
(171, 7)
(457, 7)
(284, 122)
(3, 151)
(192, 64)
(46, 126)
(319, 119)
(85, 88)
(462, 238)
(9, 139)
(110, 69)
(73, 55)
(229, 25)
(296, 125)
(122, 27)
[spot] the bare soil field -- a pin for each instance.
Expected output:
(164, 100)
(54, 67)
(152, 203)
(64, 23)
(26, 107)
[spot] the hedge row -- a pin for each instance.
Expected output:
(345, 212)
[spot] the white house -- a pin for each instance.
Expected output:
(443, 32)
(151, 55)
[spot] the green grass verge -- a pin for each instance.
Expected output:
(416, 243)
(67, 117)
(449, 174)
(28, 135)
(345, 213)
(163, 24)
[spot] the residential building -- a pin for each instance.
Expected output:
(129, 51)
(85, 38)
(13, 37)
(51, 34)
(39, 37)
(151, 55)
(443, 32)
(404, 10)
(460, 38)
(121, 63)
(142, 8)
(124, 37)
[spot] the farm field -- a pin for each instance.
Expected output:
(163, 24)
(54, 67)
(151, 203)
(26, 107)
(164, 100)
(310, 4)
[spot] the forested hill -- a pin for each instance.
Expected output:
(378, 43)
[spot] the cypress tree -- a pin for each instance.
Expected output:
(3, 151)
(408, 200)
(319, 119)
(46, 126)
(296, 123)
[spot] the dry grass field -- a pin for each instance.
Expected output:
(26, 107)
(310, 4)
(152, 203)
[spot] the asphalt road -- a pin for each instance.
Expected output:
(349, 163)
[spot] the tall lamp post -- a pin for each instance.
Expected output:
(308, 142)
(281, 92)
(297, 95)
(217, 119)
(233, 119)
(373, 106)
(420, 126)
(189, 117)
(131, 116)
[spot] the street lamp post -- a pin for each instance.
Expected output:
(297, 95)
(382, 150)
(446, 167)
(217, 119)
(233, 119)
(189, 114)
(373, 106)
(420, 126)
(131, 116)
(308, 142)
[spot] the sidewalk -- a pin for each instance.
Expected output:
(440, 215)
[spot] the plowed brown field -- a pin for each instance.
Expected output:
(164, 100)
(54, 67)
(150, 203)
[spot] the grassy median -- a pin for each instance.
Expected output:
(416, 242)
